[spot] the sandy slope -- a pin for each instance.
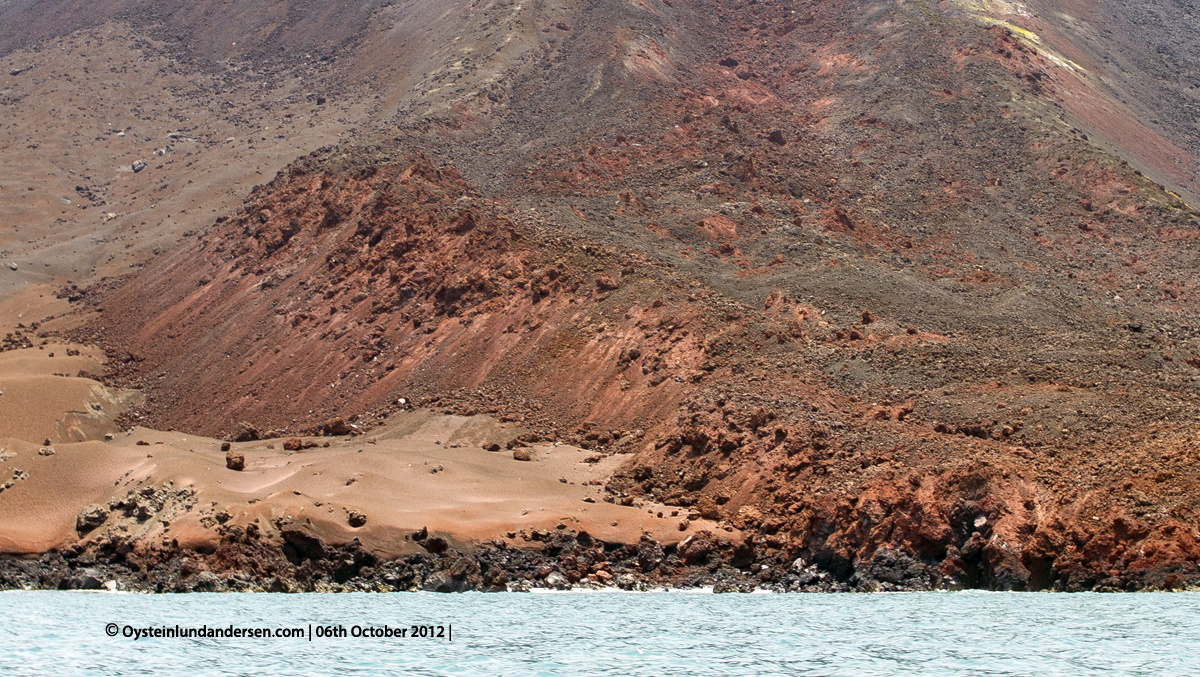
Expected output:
(476, 494)
(41, 396)
(93, 103)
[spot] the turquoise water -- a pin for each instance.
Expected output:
(974, 633)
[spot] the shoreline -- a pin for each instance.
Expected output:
(568, 562)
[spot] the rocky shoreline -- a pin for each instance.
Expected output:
(299, 561)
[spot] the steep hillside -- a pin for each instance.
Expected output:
(847, 276)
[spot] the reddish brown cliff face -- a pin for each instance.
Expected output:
(345, 285)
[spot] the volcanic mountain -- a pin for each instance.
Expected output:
(905, 290)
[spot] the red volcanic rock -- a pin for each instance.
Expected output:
(245, 433)
(708, 508)
(335, 427)
(235, 460)
(293, 444)
(697, 547)
(892, 413)
(840, 220)
(607, 283)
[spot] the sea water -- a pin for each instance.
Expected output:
(653, 634)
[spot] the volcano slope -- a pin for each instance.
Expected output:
(843, 276)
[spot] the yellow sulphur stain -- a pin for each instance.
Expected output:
(991, 12)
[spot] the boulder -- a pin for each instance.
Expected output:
(302, 543)
(607, 283)
(91, 517)
(293, 444)
(84, 579)
(357, 519)
(496, 580)
(335, 426)
(436, 545)
(723, 586)
(649, 553)
(245, 433)
(235, 460)
(522, 455)
(439, 581)
(462, 576)
(206, 581)
(696, 549)
(708, 508)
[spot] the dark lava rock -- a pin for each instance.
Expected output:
(206, 581)
(649, 553)
(495, 580)
(85, 579)
(900, 569)
(300, 544)
(723, 586)
(462, 576)
(439, 581)
(436, 545)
